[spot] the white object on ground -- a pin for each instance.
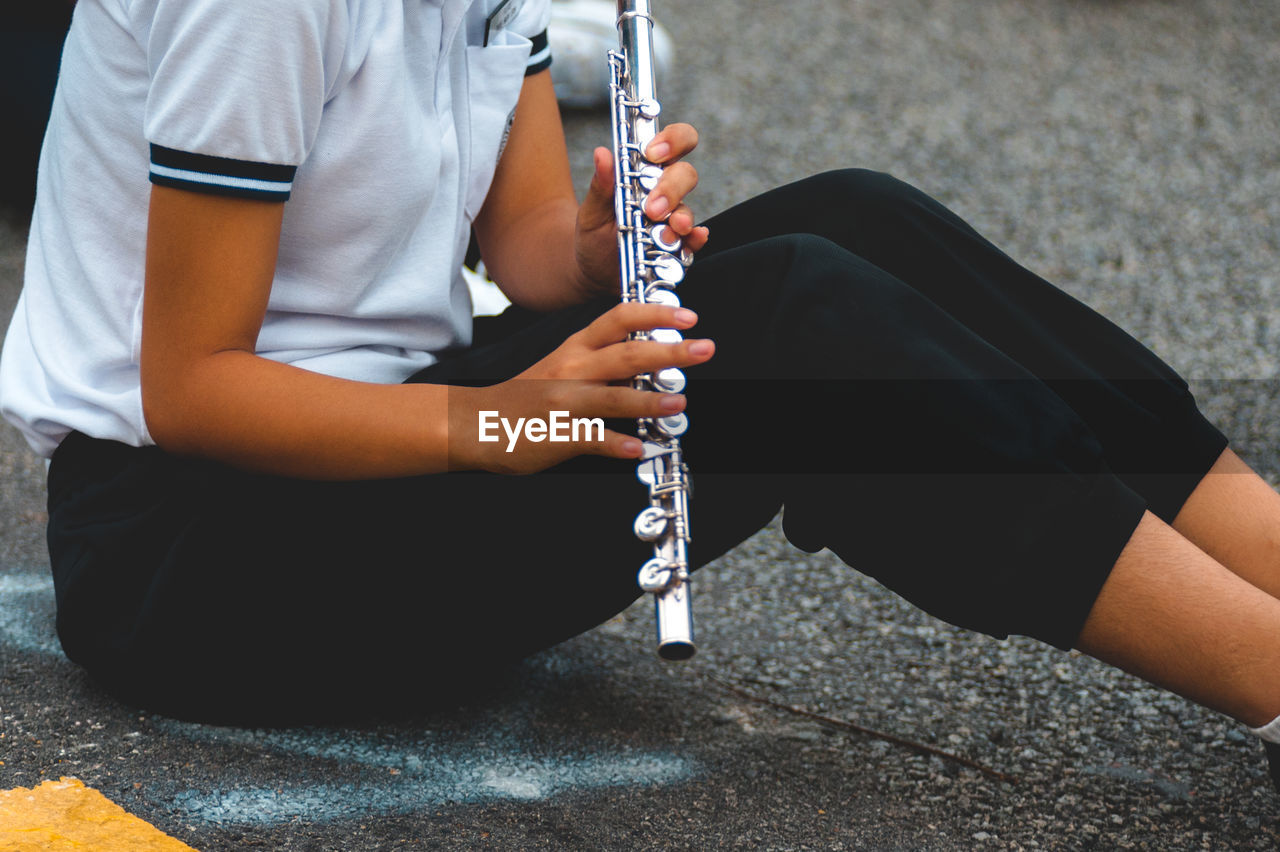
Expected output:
(582, 32)
(486, 299)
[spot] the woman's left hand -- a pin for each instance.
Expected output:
(596, 240)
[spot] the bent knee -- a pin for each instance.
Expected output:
(864, 193)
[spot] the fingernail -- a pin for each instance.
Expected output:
(658, 152)
(700, 347)
(658, 207)
(671, 402)
(631, 447)
(686, 316)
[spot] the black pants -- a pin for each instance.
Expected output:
(939, 417)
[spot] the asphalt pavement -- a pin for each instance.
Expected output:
(1129, 151)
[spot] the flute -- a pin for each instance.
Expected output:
(651, 266)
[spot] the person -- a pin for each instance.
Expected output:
(260, 385)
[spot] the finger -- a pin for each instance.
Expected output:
(677, 181)
(671, 143)
(597, 206)
(627, 402)
(680, 222)
(615, 445)
(616, 323)
(697, 239)
(680, 225)
(636, 357)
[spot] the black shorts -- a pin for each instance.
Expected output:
(911, 398)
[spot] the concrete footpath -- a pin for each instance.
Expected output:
(1128, 151)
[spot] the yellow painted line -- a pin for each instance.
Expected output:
(65, 815)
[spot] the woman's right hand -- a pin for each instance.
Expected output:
(587, 376)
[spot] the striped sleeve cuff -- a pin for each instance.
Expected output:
(220, 175)
(539, 55)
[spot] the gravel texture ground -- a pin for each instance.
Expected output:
(1127, 151)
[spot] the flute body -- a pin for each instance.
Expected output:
(652, 263)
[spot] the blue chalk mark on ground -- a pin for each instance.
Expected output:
(500, 756)
(487, 763)
(26, 612)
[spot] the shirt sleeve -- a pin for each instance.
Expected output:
(531, 22)
(539, 54)
(236, 90)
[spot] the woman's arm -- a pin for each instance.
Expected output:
(544, 250)
(210, 264)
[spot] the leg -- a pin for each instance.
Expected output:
(1211, 583)
(915, 450)
(1138, 408)
(1172, 615)
(1217, 636)
(1234, 516)
(1221, 641)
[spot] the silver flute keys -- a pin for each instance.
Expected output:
(652, 264)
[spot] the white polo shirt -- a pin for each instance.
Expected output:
(380, 121)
